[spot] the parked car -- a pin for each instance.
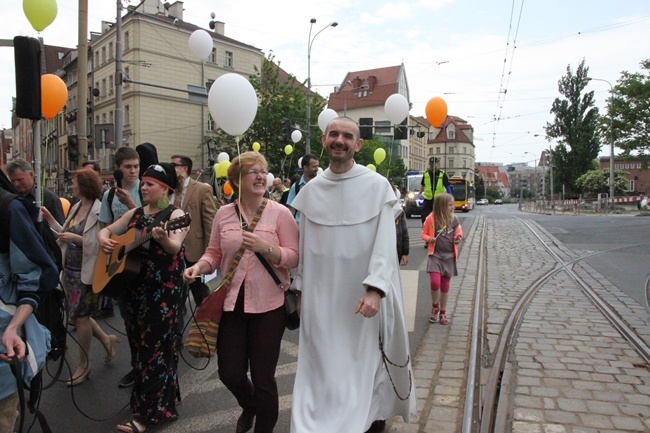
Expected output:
(412, 203)
(482, 202)
(498, 201)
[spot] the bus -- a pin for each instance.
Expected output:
(464, 195)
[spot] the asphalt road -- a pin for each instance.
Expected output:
(98, 405)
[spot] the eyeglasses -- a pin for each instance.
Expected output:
(178, 164)
(255, 172)
(156, 167)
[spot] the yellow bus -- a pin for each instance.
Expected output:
(464, 195)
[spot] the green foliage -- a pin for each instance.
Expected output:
(280, 96)
(575, 128)
(631, 113)
(597, 181)
(392, 167)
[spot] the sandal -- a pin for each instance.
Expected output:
(435, 311)
(443, 319)
(130, 427)
(110, 352)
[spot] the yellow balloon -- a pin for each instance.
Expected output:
(66, 206)
(256, 146)
(380, 155)
(288, 149)
(372, 167)
(222, 170)
(215, 169)
(40, 13)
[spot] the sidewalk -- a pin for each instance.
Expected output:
(571, 370)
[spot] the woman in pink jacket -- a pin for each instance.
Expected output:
(254, 317)
(442, 233)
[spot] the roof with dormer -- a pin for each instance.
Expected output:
(381, 82)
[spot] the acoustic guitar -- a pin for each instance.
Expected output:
(113, 271)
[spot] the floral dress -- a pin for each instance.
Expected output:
(152, 304)
(82, 301)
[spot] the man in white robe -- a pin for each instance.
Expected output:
(351, 298)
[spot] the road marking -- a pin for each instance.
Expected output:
(410, 293)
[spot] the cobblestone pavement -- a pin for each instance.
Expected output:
(570, 369)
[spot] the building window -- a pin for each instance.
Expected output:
(632, 185)
(464, 150)
(451, 134)
(437, 150)
(104, 87)
(110, 117)
(110, 51)
(97, 120)
(127, 115)
(450, 163)
(97, 87)
(111, 85)
(229, 60)
(97, 59)
(103, 55)
(211, 125)
(103, 117)
(452, 149)
(213, 56)
(126, 74)
(464, 163)
(125, 43)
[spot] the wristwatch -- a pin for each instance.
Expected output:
(270, 250)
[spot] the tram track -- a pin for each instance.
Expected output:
(486, 407)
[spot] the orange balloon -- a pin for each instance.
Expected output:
(227, 189)
(54, 95)
(66, 206)
(436, 111)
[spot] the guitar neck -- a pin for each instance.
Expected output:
(142, 240)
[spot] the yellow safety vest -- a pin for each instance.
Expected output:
(429, 193)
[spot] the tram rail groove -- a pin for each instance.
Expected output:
(492, 415)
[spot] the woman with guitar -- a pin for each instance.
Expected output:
(78, 241)
(154, 295)
(247, 231)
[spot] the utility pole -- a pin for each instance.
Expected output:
(82, 80)
(119, 120)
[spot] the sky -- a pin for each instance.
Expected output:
(495, 63)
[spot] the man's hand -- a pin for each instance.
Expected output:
(369, 303)
(14, 345)
(124, 196)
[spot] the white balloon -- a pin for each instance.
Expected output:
(233, 103)
(396, 108)
(269, 179)
(300, 162)
(325, 117)
(201, 44)
(223, 156)
(296, 136)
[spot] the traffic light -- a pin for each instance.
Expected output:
(366, 127)
(288, 129)
(27, 60)
(73, 148)
(401, 131)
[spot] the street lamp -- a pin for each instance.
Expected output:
(611, 136)
(345, 96)
(310, 41)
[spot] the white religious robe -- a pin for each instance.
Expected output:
(347, 243)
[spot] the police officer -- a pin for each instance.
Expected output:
(434, 182)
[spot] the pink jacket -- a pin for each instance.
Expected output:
(276, 226)
(428, 232)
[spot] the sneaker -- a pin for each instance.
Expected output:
(128, 379)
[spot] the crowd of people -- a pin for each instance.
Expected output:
(337, 237)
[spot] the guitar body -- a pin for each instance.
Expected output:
(113, 272)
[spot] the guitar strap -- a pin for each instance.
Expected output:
(240, 253)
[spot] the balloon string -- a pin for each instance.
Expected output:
(239, 186)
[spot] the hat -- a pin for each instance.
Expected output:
(433, 159)
(164, 173)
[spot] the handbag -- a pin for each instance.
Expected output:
(290, 295)
(201, 341)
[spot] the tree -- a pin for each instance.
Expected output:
(392, 167)
(575, 128)
(279, 96)
(631, 113)
(597, 181)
